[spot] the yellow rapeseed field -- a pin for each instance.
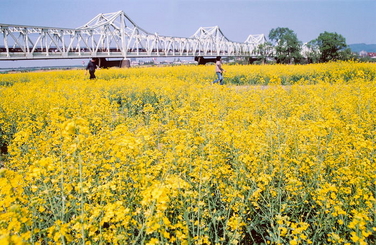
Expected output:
(281, 154)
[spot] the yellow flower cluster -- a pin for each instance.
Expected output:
(279, 155)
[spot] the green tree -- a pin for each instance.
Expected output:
(264, 51)
(347, 54)
(332, 46)
(287, 45)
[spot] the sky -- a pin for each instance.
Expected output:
(353, 19)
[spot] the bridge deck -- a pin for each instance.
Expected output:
(84, 55)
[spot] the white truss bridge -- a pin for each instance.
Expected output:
(115, 35)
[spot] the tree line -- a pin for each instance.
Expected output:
(285, 47)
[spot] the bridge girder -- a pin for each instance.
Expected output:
(114, 35)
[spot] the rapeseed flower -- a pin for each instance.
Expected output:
(279, 155)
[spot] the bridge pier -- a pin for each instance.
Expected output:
(125, 63)
(104, 63)
(251, 60)
(202, 61)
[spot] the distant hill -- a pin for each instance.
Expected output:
(362, 47)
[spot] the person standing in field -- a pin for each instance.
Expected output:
(92, 66)
(219, 70)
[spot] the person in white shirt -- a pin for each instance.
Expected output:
(219, 70)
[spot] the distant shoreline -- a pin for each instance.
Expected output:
(39, 68)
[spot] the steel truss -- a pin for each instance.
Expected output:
(115, 35)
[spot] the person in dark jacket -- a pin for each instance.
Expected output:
(91, 66)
